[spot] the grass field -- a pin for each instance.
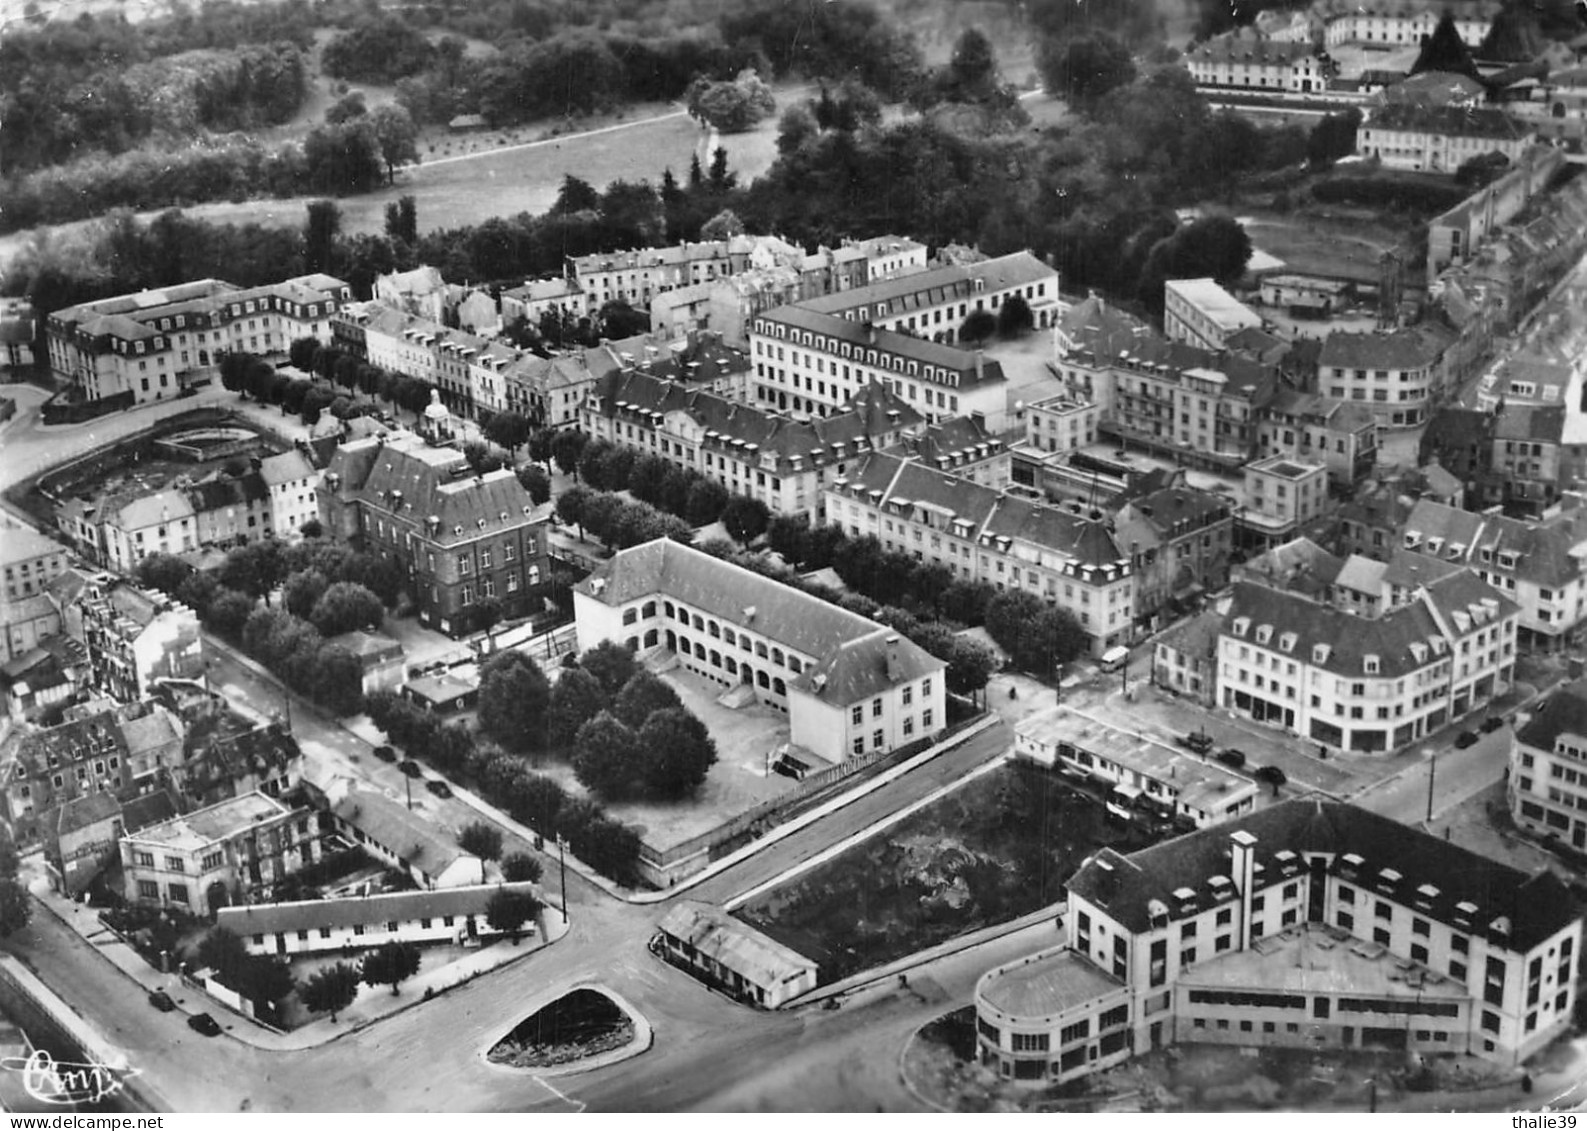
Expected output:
(1343, 249)
(996, 849)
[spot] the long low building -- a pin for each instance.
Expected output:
(448, 915)
(1310, 924)
(1172, 782)
(733, 956)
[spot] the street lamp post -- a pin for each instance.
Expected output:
(1432, 770)
(562, 854)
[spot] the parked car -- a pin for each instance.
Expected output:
(1199, 741)
(438, 787)
(1492, 723)
(410, 767)
(1466, 738)
(204, 1023)
(162, 1001)
(385, 753)
(1231, 757)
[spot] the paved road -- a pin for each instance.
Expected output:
(1456, 776)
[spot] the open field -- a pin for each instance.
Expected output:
(997, 848)
(1338, 248)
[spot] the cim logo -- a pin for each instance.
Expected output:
(66, 1082)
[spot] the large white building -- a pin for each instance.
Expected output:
(1309, 924)
(1402, 23)
(1353, 677)
(1547, 783)
(1203, 314)
(848, 684)
(150, 346)
(806, 362)
(1440, 139)
(1397, 375)
(1246, 61)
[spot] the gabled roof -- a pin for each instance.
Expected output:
(737, 946)
(1563, 712)
(1413, 348)
(1448, 121)
(285, 467)
(1238, 47)
(936, 286)
(972, 369)
(96, 736)
(20, 544)
(416, 841)
(83, 811)
(857, 669)
(399, 906)
(1127, 886)
(146, 809)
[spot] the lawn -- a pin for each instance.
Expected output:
(1342, 249)
(998, 848)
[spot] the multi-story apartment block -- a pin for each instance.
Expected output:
(421, 292)
(30, 561)
(1304, 426)
(1185, 657)
(1067, 556)
(290, 477)
(26, 623)
(1201, 406)
(1457, 234)
(1547, 782)
(934, 302)
(1245, 60)
(1397, 375)
(1362, 682)
(637, 276)
(539, 297)
(1201, 313)
(218, 856)
(1282, 497)
(887, 257)
(1142, 773)
(960, 447)
(1309, 924)
(1179, 541)
(785, 463)
(149, 346)
(1402, 23)
(849, 685)
(1440, 139)
(1061, 423)
(460, 538)
(816, 363)
(136, 638)
(44, 769)
(1540, 565)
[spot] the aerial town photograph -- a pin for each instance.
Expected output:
(793, 556)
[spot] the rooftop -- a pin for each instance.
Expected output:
(1044, 985)
(215, 823)
(20, 544)
(1216, 303)
(736, 945)
(1305, 960)
(280, 918)
(1563, 713)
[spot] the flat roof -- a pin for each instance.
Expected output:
(1319, 960)
(214, 823)
(1215, 302)
(1285, 467)
(1045, 984)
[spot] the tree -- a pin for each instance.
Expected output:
(970, 665)
(300, 354)
(1083, 69)
(721, 180)
(576, 195)
(164, 572)
(346, 606)
(349, 106)
(707, 499)
(16, 906)
(644, 694)
(509, 430)
(520, 867)
(745, 518)
(398, 138)
(1037, 636)
(731, 107)
(679, 752)
(611, 663)
(607, 757)
(391, 965)
(330, 990)
(254, 569)
(978, 326)
(618, 320)
(402, 221)
(319, 235)
(1215, 246)
(1444, 50)
(1014, 317)
(566, 449)
(576, 698)
(536, 482)
(508, 910)
(227, 612)
(513, 697)
(796, 126)
(481, 840)
(224, 952)
(724, 225)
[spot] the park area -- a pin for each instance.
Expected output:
(998, 847)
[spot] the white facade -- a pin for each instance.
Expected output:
(1202, 313)
(1547, 783)
(1061, 424)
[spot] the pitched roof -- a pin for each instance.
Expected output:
(936, 286)
(399, 829)
(738, 946)
(1449, 121)
(1045, 984)
(285, 467)
(972, 369)
(1412, 348)
(1234, 47)
(21, 544)
(1563, 712)
(858, 669)
(1126, 887)
(399, 906)
(138, 813)
(66, 743)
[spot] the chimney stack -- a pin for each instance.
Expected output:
(980, 365)
(895, 666)
(1243, 856)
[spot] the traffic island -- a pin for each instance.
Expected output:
(587, 1027)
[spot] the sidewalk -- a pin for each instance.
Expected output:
(372, 1004)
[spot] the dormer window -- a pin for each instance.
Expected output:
(1419, 651)
(1286, 642)
(1371, 665)
(458, 529)
(1264, 633)
(1241, 625)
(1320, 653)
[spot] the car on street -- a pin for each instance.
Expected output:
(162, 1001)
(1466, 738)
(1199, 741)
(204, 1023)
(1231, 757)
(385, 753)
(410, 767)
(1491, 724)
(438, 787)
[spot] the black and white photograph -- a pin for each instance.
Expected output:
(865, 556)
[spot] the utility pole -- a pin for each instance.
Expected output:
(562, 853)
(407, 781)
(1432, 769)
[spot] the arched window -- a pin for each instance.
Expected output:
(760, 650)
(650, 609)
(732, 666)
(728, 638)
(762, 679)
(667, 605)
(699, 622)
(651, 638)
(715, 630)
(779, 687)
(716, 659)
(777, 658)
(633, 643)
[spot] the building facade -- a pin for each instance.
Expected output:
(1201, 313)
(1306, 427)
(849, 685)
(1245, 61)
(135, 639)
(1547, 782)
(30, 560)
(1282, 497)
(460, 538)
(1440, 139)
